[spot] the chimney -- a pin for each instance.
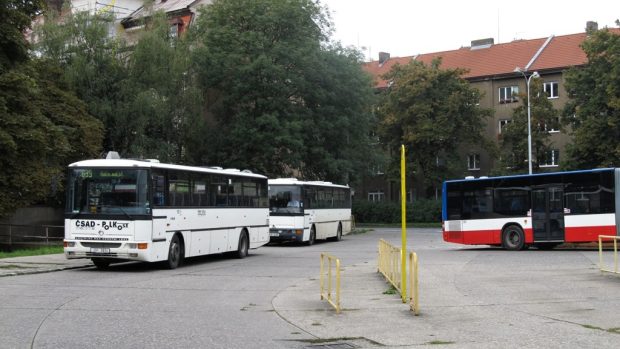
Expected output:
(482, 43)
(591, 26)
(383, 57)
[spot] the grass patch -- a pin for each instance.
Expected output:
(439, 342)
(614, 330)
(316, 324)
(358, 231)
(337, 339)
(32, 252)
(391, 290)
(593, 327)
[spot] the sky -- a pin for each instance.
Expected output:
(410, 27)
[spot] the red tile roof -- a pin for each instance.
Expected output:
(500, 59)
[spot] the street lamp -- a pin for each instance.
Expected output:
(529, 114)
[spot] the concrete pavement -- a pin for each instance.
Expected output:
(531, 299)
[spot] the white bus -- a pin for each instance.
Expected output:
(303, 211)
(119, 209)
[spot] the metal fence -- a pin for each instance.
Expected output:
(22, 235)
(390, 266)
(328, 263)
(615, 253)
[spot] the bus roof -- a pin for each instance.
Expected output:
(528, 175)
(295, 181)
(128, 163)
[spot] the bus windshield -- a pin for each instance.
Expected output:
(285, 199)
(108, 191)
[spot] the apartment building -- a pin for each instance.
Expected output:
(500, 71)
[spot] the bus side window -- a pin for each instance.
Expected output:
(159, 185)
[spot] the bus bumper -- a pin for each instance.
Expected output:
(282, 235)
(132, 251)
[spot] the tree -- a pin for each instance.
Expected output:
(435, 114)
(513, 144)
(15, 17)
(593, 111)
(42, 126)
(164, 112)
(94, 66)
(280, 98)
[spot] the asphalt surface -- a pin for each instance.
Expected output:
(470, 297)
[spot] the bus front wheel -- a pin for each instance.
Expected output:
(312, 237)
(513, 238)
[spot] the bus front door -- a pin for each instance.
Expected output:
(548, 214)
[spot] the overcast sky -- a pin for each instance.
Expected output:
(409, 27)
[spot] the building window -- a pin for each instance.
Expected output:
(502, 125)
(376, 196)
(473, 162)
(550, 159)
(551, 89)
(552, 127)
(174, 31)
(508, 94)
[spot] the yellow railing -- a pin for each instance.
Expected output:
(414, 304)
(389, 263)
(390, 267)
(332, 263)
(600, 252)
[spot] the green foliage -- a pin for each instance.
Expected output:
(15, 17)
(279, 96)
(593, 111)
(146, 95)
(435, 114)
(513, 142)
(420, 211)
(42, 125)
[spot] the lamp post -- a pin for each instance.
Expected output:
(529, 114)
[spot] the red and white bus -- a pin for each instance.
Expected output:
(542, 210)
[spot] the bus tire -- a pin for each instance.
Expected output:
(243, 246)
(338, 236)
(513, 238)
(312, 237)
(101, 263)
(175, 253)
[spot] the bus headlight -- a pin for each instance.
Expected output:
(69, 244)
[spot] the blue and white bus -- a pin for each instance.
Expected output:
(119, 210)
(304, 211)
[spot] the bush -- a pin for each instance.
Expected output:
(421, 211)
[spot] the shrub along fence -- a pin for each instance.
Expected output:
(420, 211)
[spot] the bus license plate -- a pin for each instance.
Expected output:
(99, 250)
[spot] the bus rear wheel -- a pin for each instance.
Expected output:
(244, 245)
(513, 238)
(175, 254)
(338, 236)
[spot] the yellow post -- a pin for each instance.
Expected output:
(403, 250)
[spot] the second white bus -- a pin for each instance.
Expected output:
(304, 211)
